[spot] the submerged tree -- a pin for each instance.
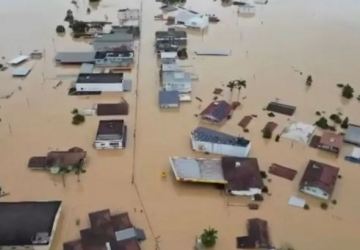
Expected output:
(239, 84)
(322, 123)
(209, 237)
(348, 91)
(231, 85)
(345, 123)
(60, 29)
(309, 81)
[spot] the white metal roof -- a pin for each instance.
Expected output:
(296, 202)
(19, 59)
(298, 131)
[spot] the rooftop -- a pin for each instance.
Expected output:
(197, 170)
(210, 135)
(22, 222)
(258, 235)
(281, 108)
(241, 173)
(115, 37)
(353, 134)
(217, 111)
(115, 230)
(112, 109)
(332, 140)
(169, 97)
(75, 57)
(100, 78)
(110, 130)
(320, 175)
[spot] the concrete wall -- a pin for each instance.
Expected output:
(104, 87)
(105, 144)
(222, 149)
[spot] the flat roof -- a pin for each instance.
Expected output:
(75, 57)
(169, 97)
(332, 140)
(213, 136)
(197, 170)
(110, 130)
(352, 134)
(19, 59)
(21, 222)
(100, 78)
(282, 171)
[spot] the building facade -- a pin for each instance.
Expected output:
(114, 58)
(111, 134)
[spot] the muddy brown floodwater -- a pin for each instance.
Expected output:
(269, 50)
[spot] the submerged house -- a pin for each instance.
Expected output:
(258, 236)
(331, 142)
(191, 19)
(102, 82)
(319, 180)
(111, 134)
(56, 160)
(174, 78)
(242, 175)
(216, 112)
(119, 40)
(352, 134)
(170, 40)
(168, 57)
(68, 57)
(29, 224)
(211, 141)
(114, 58)
(107, 231)
(169, 99)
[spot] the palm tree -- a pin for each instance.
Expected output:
(209, 237)
(239, 84)
(231, 85)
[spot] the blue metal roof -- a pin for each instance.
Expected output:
(209, 135)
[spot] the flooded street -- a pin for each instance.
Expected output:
(269, 50)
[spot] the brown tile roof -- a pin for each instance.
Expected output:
(320, 175)
(112, 109)
(281, 108)
(258, 233)
(102, 231)
(241, 173)
(270, 126)
(217, 111)
(245, 121)
(332, 140)
(282, 171)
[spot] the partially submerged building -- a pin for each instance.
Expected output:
(331, 142)
(107, 231)
(104, 109)
(170, 40)
(191, 19)
(258, 236)
(216, 112)
(114, 58)
(28, 225)
(281, 108)
(319, 179)
(121, 41)
(211, 141)
(111, 134)
(169, 99)
(299, 131)
(174, 78)
(352, 134)
(242, 176)
(168, 57)
(56, 160)
(68, 57)
(102, 82)
(19, 59)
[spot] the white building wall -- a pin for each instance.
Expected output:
(314, 191)
(108, 144)
(104, 87)
(222, 149)
(250, 192)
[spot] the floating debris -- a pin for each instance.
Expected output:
(198, 98)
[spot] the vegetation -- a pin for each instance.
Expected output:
(286, 246)
(340, 85)
(318, 113)
(239, 84)
(60, 29)
(306, 207)
(345, 123)
(265, 190)
(231, 85)
(334, 202)
(271, 114)
(78, 119)
(209, 237)
(348, 92)
(309, 81)
(322, 123)
(335, 118)
(277, 138)
(358, 98)
(182, 54)
(263, 174)
(324, 205)
(79, 27)
(75, 111)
